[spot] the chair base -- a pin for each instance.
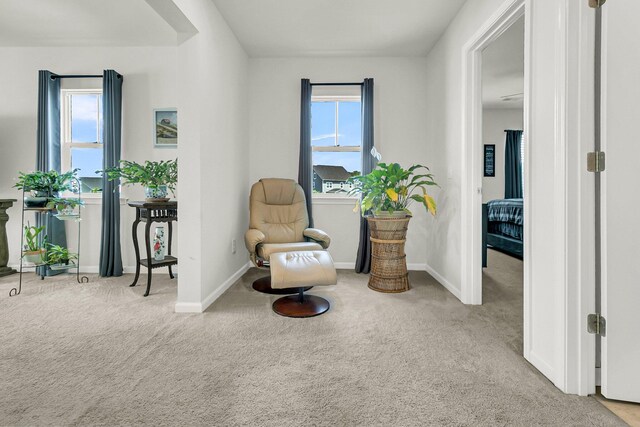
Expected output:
(263, 285)
(300, 305)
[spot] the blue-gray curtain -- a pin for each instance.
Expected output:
(305, 166)
(110, 255)
(363, 259)
(48, 152)
(512, 165)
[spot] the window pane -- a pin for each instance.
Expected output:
(349, 124)
(84, 118)
(88, 160)
(323, 123)
(331, 171)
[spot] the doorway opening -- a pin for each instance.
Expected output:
(502, 148)
(511, 14)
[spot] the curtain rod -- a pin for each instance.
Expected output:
(507, 130)
(337, 84)
(77, 76)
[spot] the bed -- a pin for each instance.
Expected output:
(502, 227)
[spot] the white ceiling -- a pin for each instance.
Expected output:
(82, 23)
(503, 69)
(284, 28)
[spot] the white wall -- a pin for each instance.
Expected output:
(400, 108)
(554, 323)
(494, 123)
(443, 127)
(149, 82)
(213, 169)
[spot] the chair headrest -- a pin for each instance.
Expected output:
(279, 191)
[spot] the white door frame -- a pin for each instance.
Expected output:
(471, 231)
(571, 365)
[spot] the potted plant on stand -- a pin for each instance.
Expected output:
(44, 185)
(33, 251)
(156, 177)
(386, 192)
(59, 258)
(65, 206)
(37, 185)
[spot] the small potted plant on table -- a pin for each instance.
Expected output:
(34, 251)
(156, 177)
(386, 192)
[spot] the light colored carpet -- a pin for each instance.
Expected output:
(100, 354)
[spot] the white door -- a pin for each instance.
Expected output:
(620, 366)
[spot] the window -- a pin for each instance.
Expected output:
(81, 136)
(336, 140)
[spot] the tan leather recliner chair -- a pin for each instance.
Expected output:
(279, 222)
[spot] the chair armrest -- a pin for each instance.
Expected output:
(253, 238)
(318, 235)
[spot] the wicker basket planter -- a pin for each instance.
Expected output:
(388, 260)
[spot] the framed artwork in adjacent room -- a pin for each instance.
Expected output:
(490, 160)
(165, 128)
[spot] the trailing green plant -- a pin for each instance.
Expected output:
(51, 182)
(151, 174)
(390, 188)
(57, 254)
(31, 234)
(60, 203)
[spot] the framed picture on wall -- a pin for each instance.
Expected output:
(490, 160)
(165, 128)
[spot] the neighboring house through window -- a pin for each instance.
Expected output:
(336, 139)
(81, 135)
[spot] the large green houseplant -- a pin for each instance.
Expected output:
(389, 189)
(156, 177)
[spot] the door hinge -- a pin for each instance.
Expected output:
(595, 161)
(596, 3)
(596, 324)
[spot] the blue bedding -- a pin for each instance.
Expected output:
(505, 210)
(505, 217)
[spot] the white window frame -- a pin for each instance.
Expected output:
(66, 143)
(336, 148)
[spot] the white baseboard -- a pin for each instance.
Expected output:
(352, 265)
(194, 307)
(344, 265)
(444, 282)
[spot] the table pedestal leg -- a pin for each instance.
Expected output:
(169, 250)
(149, 258)
(137, 250)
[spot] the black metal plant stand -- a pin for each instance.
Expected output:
(149, 212)
(47, 214)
